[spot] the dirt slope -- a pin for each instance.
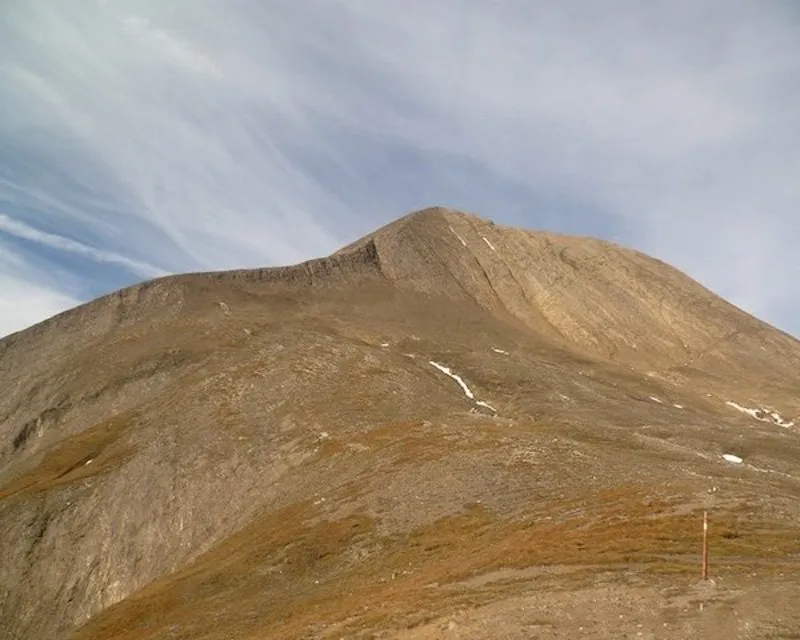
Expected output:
(447, 429)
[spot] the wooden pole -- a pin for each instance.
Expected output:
(705, 545)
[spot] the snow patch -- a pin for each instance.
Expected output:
(678, 406)
(384, 344)
(496, 350)
(491, 246)
(456, 377)
(658, 400)
(467, 391)
(732, 458)
(89, 461)
(763, 414)
(458, 236)
(751, 412)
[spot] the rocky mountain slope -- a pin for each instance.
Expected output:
(446, 429)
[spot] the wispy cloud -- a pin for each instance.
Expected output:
(198, 135)
(172, 47)
(23, 231)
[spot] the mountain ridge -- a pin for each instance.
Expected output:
(375, 255)
(186, 457)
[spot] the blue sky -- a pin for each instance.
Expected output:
(144, 137)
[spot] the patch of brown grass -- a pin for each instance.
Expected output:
(86, 454)
(290, 572)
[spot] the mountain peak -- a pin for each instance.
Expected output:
(431, 416)
(604, 299)
(583, 294)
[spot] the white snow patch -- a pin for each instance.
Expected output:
(762, 414)
(89, 461)
(777, 418)
(467, 391)
(496, 350)
(491, 246)
(654, 399)
(738, 407)
(678, 406)
(732, 458)
(384, 344)
(458, 236)
(456, 377)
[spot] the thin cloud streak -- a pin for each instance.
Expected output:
(216, 135)
(61, 243)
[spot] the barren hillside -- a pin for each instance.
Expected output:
(446, 429)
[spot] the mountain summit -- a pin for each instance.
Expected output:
(448, 428)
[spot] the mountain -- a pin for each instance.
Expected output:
(449, 428)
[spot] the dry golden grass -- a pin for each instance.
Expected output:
(282, 575)
(86, 454)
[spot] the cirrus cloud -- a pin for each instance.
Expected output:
(145, 137)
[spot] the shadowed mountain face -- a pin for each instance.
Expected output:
(446, 429)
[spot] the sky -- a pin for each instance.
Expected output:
(145, 137)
